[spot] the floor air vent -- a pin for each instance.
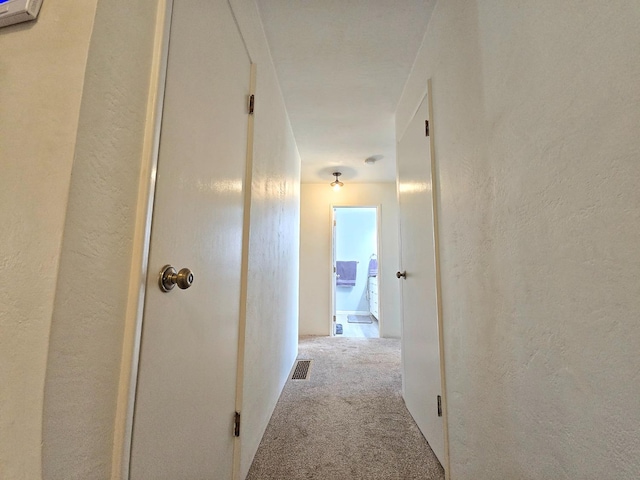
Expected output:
(301, 372)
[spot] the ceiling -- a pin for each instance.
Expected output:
(342, 65)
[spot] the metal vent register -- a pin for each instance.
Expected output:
(301, 372)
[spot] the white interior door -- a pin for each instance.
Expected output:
(185, 398)
(420, 342)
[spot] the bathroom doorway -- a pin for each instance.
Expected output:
(354, 270)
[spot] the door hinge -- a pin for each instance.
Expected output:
(426, 127)
(236, 425)
(252, 104)
(439, 405)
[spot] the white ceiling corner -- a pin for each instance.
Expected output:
(342, 65)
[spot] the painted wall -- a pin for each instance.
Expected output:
(316, 201)
(356, 239)
(42, 68)
(85, 348)
(271, 338)
(536, 112)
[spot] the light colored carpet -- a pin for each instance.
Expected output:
(348, 421)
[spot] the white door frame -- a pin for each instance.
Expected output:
(435, 189)
(333, 275)
(332, 259)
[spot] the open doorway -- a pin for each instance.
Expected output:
(355, 242)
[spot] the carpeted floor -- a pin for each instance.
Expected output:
(348, 421)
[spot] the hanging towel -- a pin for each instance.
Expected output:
(373, 267)
(346, 273)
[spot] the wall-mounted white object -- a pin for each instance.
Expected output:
(17, 11)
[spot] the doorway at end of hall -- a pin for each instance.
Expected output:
(354, 269)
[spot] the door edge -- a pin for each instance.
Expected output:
(436, 244)
(124, 418)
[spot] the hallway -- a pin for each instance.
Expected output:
(347, 421)
(533, 114)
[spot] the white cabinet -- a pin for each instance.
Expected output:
(372, 290)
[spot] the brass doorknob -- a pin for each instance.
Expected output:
(401, 274)
(169, 278)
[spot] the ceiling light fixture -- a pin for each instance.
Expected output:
(336, 184)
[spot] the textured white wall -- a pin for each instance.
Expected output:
(536, 114)
(42, 69)
(316, 200)
(88, 320)
(271, 337)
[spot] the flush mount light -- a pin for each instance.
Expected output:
(336, 184)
